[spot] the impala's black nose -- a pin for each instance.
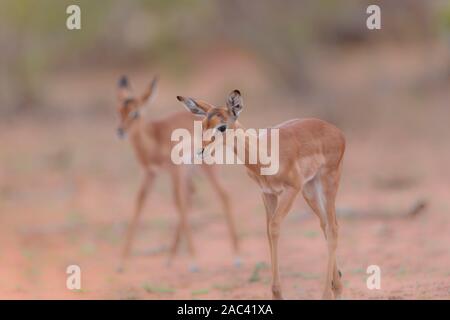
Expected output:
(120, 133)
(123, 82)
(200, 153)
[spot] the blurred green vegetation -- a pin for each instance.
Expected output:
(444, 14)
(35, 40)
(284, 34)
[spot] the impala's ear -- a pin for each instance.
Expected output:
(196, 107)
(235, 103)
(149, 94)
(124, 91)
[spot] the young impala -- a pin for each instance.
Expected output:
(310, 162)
(151, 142)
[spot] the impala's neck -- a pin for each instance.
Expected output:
(140, 138)
(135, 128)
(247, 149)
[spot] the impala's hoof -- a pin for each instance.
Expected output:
(328, 295)
(277, 297)
(194, 268)
(337, 288)
(237, 262)
(340, 273)
(120, 269)
(168, 262)
(276, 293)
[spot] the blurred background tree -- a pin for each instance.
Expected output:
(284, 35)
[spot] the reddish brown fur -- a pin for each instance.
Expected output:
(152, 145)
(310, 162)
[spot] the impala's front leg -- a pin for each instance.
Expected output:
(270, 203)
(226, 203)
(285, 201)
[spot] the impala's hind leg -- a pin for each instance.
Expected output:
(320, 194)
(180, 185)
(140, 201)
(175, 243)
(226, 204)
(330, 182)
(174, 247)
(314, 198)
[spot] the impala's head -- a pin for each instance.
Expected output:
(129, 106)
(215, 119)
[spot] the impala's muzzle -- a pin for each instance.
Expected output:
(200, 153)
(120, 133)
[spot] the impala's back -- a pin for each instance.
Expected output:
(312, 137)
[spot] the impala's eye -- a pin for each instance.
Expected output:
(134, 114)
(127, 102)
(222, 128)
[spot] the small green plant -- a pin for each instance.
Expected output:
(88, 249)
(200, 292)
(28, 254)
(402, 271)
(310, 234)
(255, 277)
(157, 289)
(78, 290)
(358, 271)
(223, 287)
(305, 275)
(74, 217)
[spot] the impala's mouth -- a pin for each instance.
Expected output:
(200, 153)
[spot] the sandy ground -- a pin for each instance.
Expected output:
(67, 204)
(67, 188)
